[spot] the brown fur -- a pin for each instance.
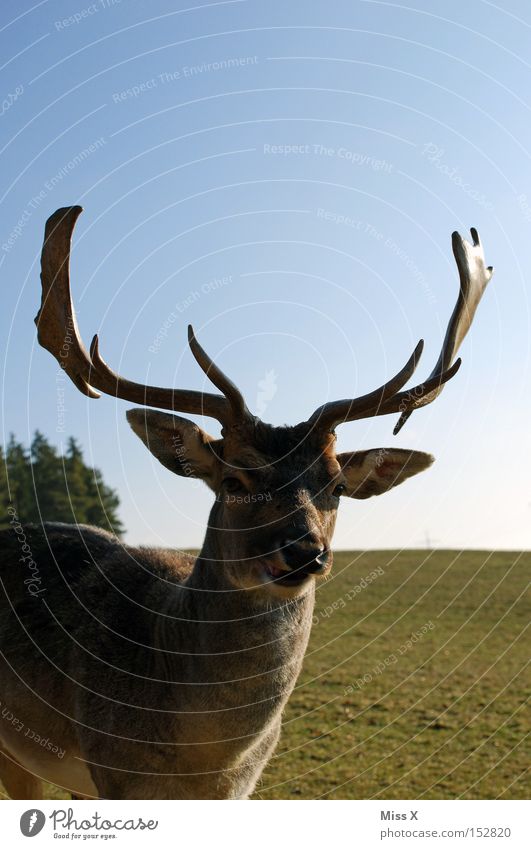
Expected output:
(156, 674)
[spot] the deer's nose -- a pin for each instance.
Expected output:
(304, 553)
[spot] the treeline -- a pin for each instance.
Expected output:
(45, 486)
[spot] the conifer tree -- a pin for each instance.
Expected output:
(50, 492)
(4, 489)
(18, 474)
(44, 486)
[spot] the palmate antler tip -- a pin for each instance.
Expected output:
(64, 214)
(458, 241)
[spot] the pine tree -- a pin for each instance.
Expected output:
(4, 488)
(19, 479)
(51, 495)
(103, 503)
(44, 486)
(76, 484)
(93, 501)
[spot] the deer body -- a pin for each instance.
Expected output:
(157, 675)
(207, 715)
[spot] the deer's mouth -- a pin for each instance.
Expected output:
(286, 578)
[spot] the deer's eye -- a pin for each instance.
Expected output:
(234, 486)
(339, 490)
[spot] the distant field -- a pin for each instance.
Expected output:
(443, 716)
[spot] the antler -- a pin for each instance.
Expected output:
(473, 277)
(58, 333)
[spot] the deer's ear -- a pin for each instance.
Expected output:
(379, 469)
(178, 444)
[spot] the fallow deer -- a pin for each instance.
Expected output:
(157, 674)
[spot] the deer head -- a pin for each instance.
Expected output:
(277, 488)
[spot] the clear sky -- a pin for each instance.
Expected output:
(285, 176)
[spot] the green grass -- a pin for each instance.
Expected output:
(446, 718)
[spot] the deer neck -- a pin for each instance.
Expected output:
(238, 661)
(224, 635)
(243, 619)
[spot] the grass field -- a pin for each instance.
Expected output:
(445, 717)
(441, 716)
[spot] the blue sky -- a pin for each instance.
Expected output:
(286, 177)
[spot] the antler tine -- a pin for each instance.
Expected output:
(178, 400)
(58, 333)
(339, 412)
(218, 378)
(419, 396)
(473, 277)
